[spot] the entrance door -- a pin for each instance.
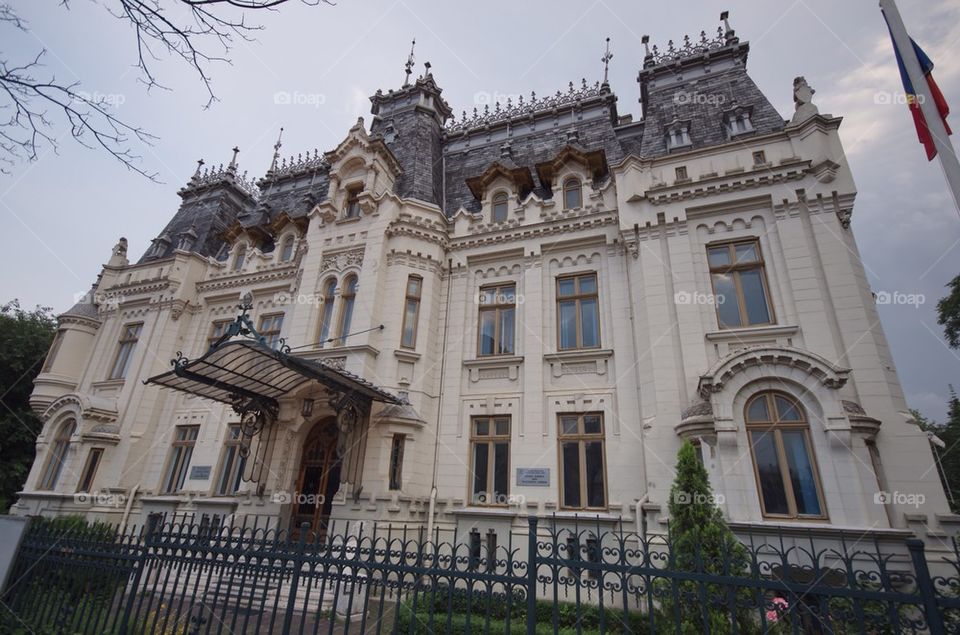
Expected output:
(318, 479)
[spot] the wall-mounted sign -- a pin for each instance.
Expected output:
(200, 473)
(533, 476)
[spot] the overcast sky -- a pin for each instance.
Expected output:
(312, 69)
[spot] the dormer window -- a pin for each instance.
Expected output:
(499, 213)
(286, 249)
(572, 194)
(239, 259)
(678, 137)
(738, 122)
(353, 203)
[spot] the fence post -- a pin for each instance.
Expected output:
(153, 523)
(925, 585)
(295, 579)
(532, 575)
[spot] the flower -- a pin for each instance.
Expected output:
(780, 605)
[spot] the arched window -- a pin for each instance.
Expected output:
(58, 454)
(286, 249)
(499, 207)
(783, 457)
(239, 259)
(572, 198)
(347, 297)
(326, 310)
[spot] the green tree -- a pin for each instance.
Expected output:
(948, 313)
(700, 540)
(25, 337)
(947, 457)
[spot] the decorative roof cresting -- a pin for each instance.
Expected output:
(522, 108)
(690, 48)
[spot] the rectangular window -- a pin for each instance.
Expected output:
(490, 462)
(185, 437)
(52, 353)
(353, 202)
(270, 326)
(396, 461)
(498, 307)
(90, 470)
(582, 461)
(759, 157)
(127, 344)
(217, 330)
(578, 312)
(231, 470)
(681, 173)
(411, 312)
(739, 284)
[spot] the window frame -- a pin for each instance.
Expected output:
(126, 348)
(570, 184)
(239, 258)
(776, 427)
(53, 350)
(90, 467)
(491, 440)
(232, 463)
(288, 242)
(59, 450)
(581, 437)
(181, 454)
(351, 201)
(498, 199)
(416, 298)
(680, 173)
(214, 335)
(735, 268)
(398, 444)
(272, 336)
(496, 308)
(348, 301)
(578, 297)
(329, 291)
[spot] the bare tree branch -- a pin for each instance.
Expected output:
(197, 32)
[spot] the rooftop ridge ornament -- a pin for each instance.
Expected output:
(409, 65)
(690, 47)
(276, 152)
(561, 99)
(607, 56)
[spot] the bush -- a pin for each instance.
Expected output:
(457, 603)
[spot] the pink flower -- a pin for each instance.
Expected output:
(780, 606)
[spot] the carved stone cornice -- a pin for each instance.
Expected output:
(816, 366)
(567, 225)
(247, 279)
(340, 260)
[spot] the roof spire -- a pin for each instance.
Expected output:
(233, 161)
(276, 151)
(409, 65)
(606, 61)
(196, 175)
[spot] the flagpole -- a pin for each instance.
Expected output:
(941, 140)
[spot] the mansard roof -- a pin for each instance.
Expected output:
(446, 160)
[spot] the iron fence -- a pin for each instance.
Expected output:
(200, 577)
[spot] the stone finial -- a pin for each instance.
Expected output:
(804, 108)
(427, 66)
(728, 31)
(118, 257)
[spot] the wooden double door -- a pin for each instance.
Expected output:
(318, 479)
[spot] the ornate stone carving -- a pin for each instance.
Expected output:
(342, 260)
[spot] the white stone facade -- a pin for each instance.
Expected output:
(664, 368)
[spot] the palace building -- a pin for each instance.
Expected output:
(459, 321)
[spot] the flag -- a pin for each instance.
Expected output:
(926, 66)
